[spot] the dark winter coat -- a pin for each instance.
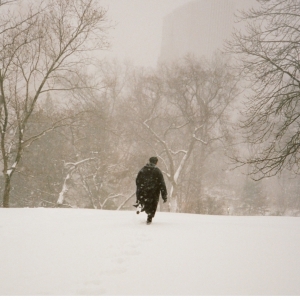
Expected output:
(149, 184)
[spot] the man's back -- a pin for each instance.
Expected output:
(149, 179)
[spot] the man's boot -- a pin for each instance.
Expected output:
(149, 219)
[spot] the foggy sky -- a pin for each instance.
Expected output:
(138, 31)
(137, 34)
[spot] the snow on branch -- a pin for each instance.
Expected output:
(61, 196)
(125, 201)
(177, 152)
(199, 140)
(64, 190)
(10, 170)
(110, 197)
(74, 165)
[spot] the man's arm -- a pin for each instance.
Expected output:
(138, 186)
(163, 188)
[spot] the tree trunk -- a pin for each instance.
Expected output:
(199, 206)
(173, 198)
(200, 175)
(6, 193)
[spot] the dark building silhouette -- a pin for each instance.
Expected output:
(198, 27)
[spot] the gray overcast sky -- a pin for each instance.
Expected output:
(138, 31)
(137, 34)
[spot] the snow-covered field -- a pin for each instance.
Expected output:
(93, 252)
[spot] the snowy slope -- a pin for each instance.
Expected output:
(93, 252)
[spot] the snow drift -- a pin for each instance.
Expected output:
(96, 252)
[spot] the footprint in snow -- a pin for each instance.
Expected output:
(91, 288)
(130, 252)
(115, 271)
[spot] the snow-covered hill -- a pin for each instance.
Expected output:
(93, 252)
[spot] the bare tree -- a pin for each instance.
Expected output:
(182, 109)
(268, 58)
(3, 2)
(43, 46)
(101, 182)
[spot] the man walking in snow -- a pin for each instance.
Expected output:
(149, 184)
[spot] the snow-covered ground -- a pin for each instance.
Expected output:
(93, 252)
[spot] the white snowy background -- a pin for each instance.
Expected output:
(97, 252)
